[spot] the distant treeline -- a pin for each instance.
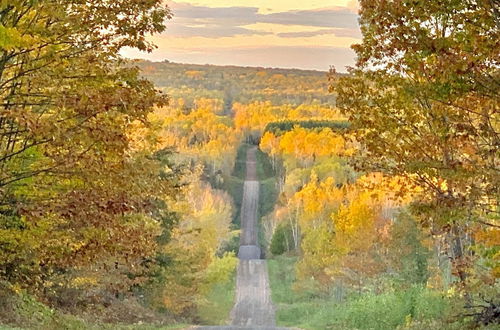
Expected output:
(280, 127)
(239, 84)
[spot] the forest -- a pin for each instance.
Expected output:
(122, 181)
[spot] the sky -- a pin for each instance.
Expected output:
(305, 34)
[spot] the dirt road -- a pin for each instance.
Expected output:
(253, 296)
(253, 308)
(249, 213)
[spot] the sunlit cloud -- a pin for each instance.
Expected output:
(211, 31)
(311, 34)
(269, 6)
(351, 33)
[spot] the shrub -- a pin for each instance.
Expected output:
(282, 240)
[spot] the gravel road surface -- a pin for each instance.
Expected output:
(253, 308)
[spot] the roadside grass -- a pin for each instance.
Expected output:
(146, 327)
(413, 308)
(264, 167)
(219, 302)
(234, 187)
(268, 193)
(268, 196)
(268, 190)
(233, 184)
(22, 311)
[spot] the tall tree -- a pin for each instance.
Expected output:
(424, 100)
(59, 77)
(76, 194)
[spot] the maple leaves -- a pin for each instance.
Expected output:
(434, 103)
(79, 194)
(423, 100)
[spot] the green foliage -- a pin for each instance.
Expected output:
(282, 277)
(9, 38)
(219, 302)
(19, 310)
(233, 184)
(281, 127)
(268, 196)
(84, 204)
(268, 185)
(240, 169)
(410, 257)
(264, 167)
(219, 299)
(282, 240)
(388, 310)
(423, 102)
(22, 309)
(222, 269)
(234, 187)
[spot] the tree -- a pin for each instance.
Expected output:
(424, 102)
(77, 192)
(200, 134)
(204, 227)
(408, 256)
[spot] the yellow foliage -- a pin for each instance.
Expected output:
(306, 144)
(195, 74)
(204, 226)
(341, 227)
(81, 282)
(254, 117)
(316, 201)
(355, 225)
(199, 134)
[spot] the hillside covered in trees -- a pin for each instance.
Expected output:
(238, 84)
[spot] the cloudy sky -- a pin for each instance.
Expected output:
(308, 34)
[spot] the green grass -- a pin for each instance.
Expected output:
(390, 310)
(220, 301)
(233, 184)
(264, 168)
(268, 193)
(138, 327)
(268, 196)
(267, 177)
(234, 187)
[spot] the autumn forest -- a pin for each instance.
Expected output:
(134, 193)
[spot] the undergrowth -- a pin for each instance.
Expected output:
(413, 308)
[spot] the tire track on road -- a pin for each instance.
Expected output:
(253, 294)
(253, 308)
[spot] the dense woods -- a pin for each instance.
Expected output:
(430, 113)
(121, 181)
(84, 205)
(237, 84)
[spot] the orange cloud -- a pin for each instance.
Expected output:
(215, 31)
